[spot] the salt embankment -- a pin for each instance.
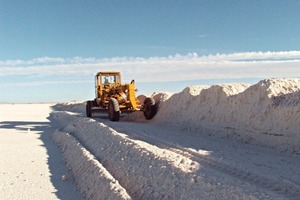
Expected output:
(267, 112)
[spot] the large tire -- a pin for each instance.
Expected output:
(113, 110)
(89, 105)
(150, 108)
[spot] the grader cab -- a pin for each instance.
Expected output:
(114, 97)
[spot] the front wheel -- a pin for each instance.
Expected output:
(150, 108)
(113, 110)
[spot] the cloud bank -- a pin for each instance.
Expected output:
(163, 69)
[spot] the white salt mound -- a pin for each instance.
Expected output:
(267, 112)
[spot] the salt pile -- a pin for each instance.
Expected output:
(267, 112)
(87, 171)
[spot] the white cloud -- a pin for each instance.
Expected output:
(164, 69)
(35, 61)
(43, 83)
(203, 35)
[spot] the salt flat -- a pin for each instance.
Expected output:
(31, 165)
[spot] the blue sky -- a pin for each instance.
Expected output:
(51, 49)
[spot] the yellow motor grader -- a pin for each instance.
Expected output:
(114, 97)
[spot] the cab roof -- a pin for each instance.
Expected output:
(108, 72)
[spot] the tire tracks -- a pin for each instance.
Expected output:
(282, 187)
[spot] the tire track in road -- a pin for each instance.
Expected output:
(282, 187)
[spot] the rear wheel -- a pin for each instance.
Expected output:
(89, 105)
(150, 108)
(113, 110)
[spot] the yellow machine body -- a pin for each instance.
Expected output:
(109, 85)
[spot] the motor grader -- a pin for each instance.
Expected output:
(115, 98)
